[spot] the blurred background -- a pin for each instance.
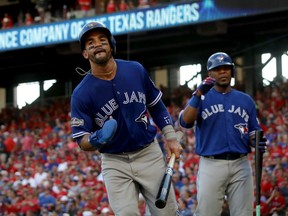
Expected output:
(43, 172)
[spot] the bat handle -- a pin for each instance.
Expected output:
(172, 160)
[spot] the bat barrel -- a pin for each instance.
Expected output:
(258, 166)
(160, 203)
(164, 189)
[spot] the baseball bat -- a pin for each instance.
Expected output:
(165, 185)
(258, 171)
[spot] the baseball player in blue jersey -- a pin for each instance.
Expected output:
(225, 123)
(110, 111)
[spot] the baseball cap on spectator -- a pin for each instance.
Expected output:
(64, 198)
(87, 213)
(105, 210)
(62, 167)
(75, 178)
(4, 172)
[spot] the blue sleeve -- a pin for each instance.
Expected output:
(160, 115)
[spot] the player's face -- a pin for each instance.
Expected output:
(97, 48)
(222, 75)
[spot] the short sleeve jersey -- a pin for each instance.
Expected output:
(224, 123)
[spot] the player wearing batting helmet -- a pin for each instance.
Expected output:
(110, 112)
(225, 122)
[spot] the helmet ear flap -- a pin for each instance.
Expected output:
(233, 70)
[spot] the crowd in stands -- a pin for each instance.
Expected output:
(46, 11)
(43, 171)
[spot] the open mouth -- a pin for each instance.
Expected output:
(97, 51)
(223, 78)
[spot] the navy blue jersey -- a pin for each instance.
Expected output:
(126, 98)
(224, 122)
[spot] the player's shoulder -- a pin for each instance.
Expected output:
(236, 91)
(128, 63)
(84, 84)
(241, 95)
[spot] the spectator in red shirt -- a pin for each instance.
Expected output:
(266, 184)
(276, 202)
(123, 6)
(27, 142)
(7, 21)
(9, 144)
(29, 20)
(71, 144)
(276, 150)
(12, 202)
(30, 204)
(85, 6)
(111, 7)
(90, 181)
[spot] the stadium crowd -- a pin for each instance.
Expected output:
(43, 171)
(30, 12)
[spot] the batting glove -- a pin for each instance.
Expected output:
(262, 144)
(103, 135)
(205, 86)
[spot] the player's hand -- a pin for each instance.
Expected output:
(103, 135)
(173, 146)
(262, 144)
(205, 86)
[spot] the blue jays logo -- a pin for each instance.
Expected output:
(220, 58)
(242, 128)
(143, 118)
(93, 24)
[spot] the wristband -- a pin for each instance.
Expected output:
(169, 132)
(195, 101)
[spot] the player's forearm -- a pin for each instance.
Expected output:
(169, 132)
(160, 115)
(85, 145)
(187, 117)
(189, 114)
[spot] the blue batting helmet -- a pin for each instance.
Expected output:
(93, 26)
(219, 59)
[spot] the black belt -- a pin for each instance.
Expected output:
(226, 156)
(134, 151)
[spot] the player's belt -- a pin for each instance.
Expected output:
(226, 156)
(137, 150)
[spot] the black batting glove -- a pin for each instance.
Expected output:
(205, 86)
(262, 144)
